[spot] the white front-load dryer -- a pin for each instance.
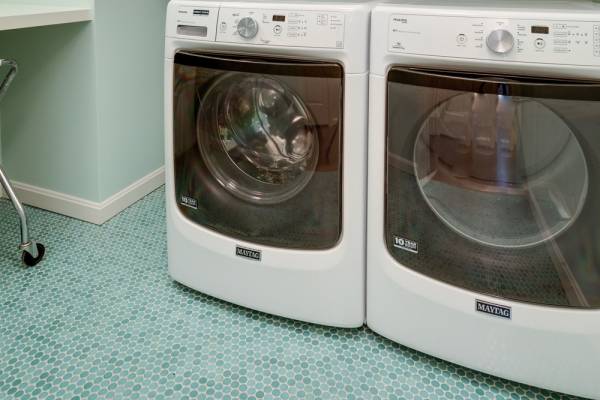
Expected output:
(266, 119)
(484, 185)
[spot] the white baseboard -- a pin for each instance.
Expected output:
(86, 210)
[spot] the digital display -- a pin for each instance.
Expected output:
(540, 29)
(279, 18)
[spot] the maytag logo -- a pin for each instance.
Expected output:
(247, 253)
(493, 309)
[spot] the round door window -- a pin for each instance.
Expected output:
(257, 137)
(501, 171)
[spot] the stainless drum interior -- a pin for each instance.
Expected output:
(501, 171)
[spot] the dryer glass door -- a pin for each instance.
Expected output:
(493, 184)
(257, 147)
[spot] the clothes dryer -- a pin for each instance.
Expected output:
(484, 185)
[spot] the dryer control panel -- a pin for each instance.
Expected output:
(517, 40)
(266, 27)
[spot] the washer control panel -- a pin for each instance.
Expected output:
(281, 27)
(519, 40)
(319, 29)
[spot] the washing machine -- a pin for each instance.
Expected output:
(266, 123)
(484, 184)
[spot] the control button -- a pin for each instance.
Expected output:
(277, 29)
(461, 39)
(247, 27)
(500, 41)
(539, 43)
(322, 19)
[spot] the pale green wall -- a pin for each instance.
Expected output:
(84, 117)
(49, 135)
(130, 50)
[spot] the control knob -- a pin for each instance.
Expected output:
(247, 27)
(500, 41)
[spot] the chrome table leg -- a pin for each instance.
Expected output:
(32, 252)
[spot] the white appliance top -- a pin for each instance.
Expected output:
(504, 5)
(535, 35)
(325, 30)
(310, 24)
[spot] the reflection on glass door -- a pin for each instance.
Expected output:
(492, 181)
(501, 171)
(258, 148)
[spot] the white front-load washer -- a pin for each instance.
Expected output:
(484, 184)
(266, 120)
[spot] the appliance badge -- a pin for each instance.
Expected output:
(189, 202)
(406, 244)
(496, 310)
(250, 254)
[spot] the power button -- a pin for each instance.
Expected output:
(461, 39)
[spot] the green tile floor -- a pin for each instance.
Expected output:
(100, 318)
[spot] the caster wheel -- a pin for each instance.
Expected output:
(28, 259)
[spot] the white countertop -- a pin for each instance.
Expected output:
(15, 16)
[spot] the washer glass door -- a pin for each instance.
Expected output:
(492, 184)
(258, 147)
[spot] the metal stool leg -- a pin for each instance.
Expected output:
(14, 69)
(32, 252)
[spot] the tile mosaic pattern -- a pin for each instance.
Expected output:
(101, 319)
